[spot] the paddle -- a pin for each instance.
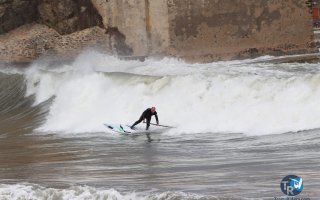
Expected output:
(161, 125)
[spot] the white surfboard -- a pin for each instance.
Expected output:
(123, 129)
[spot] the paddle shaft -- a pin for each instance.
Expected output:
(160, 125)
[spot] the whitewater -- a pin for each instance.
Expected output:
(236, 96)
(240, 127)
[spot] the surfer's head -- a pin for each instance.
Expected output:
(153, 109)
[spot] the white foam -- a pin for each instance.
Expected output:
(28, 191)
(235, 96)
(22, 191)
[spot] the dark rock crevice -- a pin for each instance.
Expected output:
(117, 42)
(15, 13)
(68, 16)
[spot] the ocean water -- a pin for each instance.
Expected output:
(240, 127)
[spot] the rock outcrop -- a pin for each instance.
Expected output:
(200, 31)
(33, 40)
(14, 13)
(64, 28)
(68, 16)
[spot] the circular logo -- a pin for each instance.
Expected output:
(291, 185)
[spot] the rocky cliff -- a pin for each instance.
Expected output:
(222, 29)
(199, 30)
(14, 13)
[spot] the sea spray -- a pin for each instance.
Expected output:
(235, 96)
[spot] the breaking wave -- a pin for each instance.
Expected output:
(246, 96)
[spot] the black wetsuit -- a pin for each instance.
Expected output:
(147, 114)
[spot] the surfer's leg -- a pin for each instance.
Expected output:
(148, 124)
(137, 122)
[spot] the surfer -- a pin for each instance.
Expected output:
(147, 114)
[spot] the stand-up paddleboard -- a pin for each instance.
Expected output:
(125, 129)
(119, 128)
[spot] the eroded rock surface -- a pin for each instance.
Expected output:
(198, 31)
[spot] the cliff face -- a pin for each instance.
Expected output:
(195, 30)
(238, 28)
(144, 24)
(33, 28)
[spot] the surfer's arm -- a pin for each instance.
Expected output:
(157, 119)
